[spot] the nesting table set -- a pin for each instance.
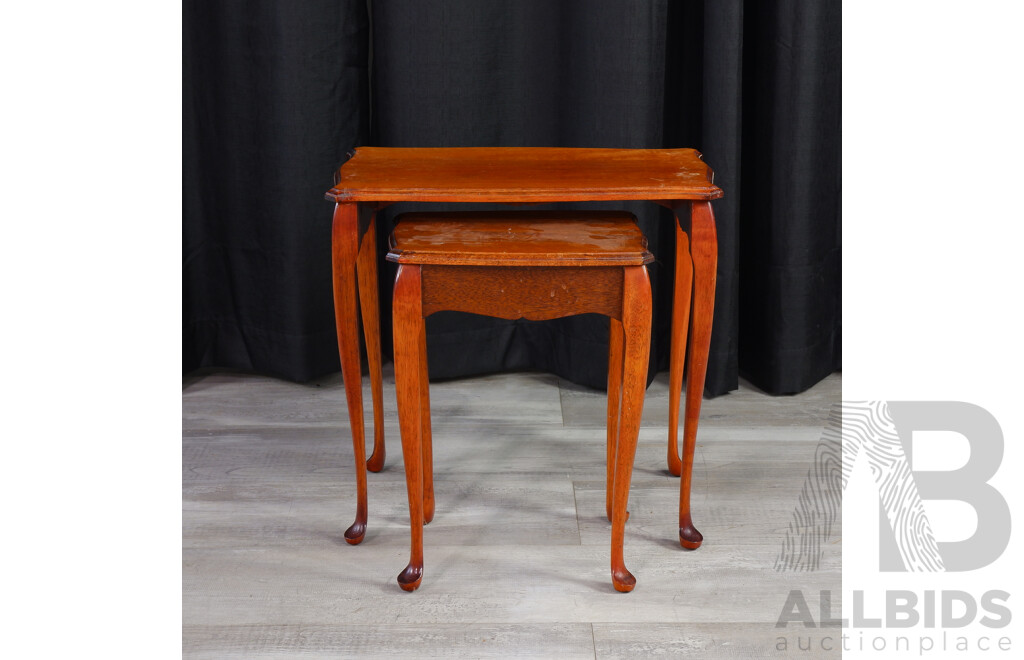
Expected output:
(522, 264)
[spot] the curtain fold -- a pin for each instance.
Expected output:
(790, 225)
(276, 94)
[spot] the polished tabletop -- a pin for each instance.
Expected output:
(522, 174)
(519, 238)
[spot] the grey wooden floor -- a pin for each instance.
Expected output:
(517, 557)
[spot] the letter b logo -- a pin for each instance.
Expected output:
(967, 484)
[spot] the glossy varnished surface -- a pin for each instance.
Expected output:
(675, 178)
(516, 292)
(526, 238)
(539, 265)
(520, 174)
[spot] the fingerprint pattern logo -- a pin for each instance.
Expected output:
(820, 503)
(859, 427)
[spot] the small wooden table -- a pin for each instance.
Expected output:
(533, 265)
(376, 177)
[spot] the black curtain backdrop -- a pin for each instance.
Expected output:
(276, 93)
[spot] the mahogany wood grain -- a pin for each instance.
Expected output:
(426, 437)
(615, 365)
(522, 174)
(636, 331)
(525, 238)
(345, 249)
(512, 292)
(680, 324)
(409, 336)
(366, 267)
(376, 177)
(704, 254)
(517, 291)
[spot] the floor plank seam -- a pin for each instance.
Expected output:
(561, 402)
(576, 506)
(268, 487)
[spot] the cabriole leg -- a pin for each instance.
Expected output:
(344, 250)
(636, 326)
(408, 329)
(368, 302)
(704, 251)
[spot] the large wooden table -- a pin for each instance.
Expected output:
(375, 177)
